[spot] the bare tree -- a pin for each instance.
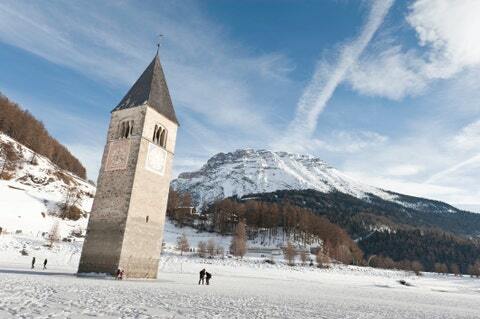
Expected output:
(440, 268)
(321, 258)
(303, 257)
(3, 163)
(220, 251)
(69, 208)
(289, 253)
(238, 246)
(172, 202)
(417, 267)
(54, 234)
(202, 249)
(211, 245)
(474, 270)
(454, 269)
(182, 244)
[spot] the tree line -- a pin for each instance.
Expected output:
(23, 127)
(436, 250)
(267, 222)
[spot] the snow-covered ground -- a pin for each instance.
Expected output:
(249, 288)
(239, 289)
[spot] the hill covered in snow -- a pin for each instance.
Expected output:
(33, 191)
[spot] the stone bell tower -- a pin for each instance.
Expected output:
(125, 229)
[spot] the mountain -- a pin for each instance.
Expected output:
(261, 171)
(309, 182)
(33, 191)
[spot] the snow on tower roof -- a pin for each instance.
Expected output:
(150, 88)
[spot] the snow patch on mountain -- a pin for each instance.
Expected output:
(258, 171)
(32, 189)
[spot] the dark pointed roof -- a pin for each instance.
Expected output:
(150, 88)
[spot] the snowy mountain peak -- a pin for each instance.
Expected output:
(257, 171)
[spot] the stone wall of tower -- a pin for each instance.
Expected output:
(144, 229)
(106, 227)
(128, 215)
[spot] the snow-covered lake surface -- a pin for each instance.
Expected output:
(239, 289)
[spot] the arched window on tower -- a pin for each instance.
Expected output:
(125, 129)
(154, 137)
(163, 138)
(159, 135)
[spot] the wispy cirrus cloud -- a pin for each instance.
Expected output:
(447, 43)
(326, 78)
(214, 82)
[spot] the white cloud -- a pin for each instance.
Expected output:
(447, 34)
(390, 73)
(469, 137)
(346, 141)
(210, 77)
(327, 77)
(453, 173)
(404, 170)
(450, 29)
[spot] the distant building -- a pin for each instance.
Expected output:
(188, 211)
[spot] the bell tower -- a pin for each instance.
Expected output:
(126, 223)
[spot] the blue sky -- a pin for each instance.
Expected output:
(385, 90)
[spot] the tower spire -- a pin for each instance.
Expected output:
(151, 89)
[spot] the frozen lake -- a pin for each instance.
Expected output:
(238, 290)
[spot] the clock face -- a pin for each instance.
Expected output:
(118, 153)
(156, 159)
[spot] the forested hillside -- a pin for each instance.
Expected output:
(392, 233)
(20, 125)
(358, 216)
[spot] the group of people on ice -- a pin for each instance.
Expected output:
(204, 276)
(44, 263)
(120, 274)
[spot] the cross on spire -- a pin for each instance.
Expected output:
(158, 42)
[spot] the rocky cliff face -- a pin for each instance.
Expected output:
(258, 171)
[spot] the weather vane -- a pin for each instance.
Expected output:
(158, 42)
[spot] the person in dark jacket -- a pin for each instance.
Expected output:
(202, 276)
(208, 277)
(117, 274)
(33, 262)
(45, 263)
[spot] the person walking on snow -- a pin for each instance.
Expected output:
(202, 276)
(45, 263)
(208, 276)
(33, 262)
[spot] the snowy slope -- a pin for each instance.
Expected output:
(239, 289)
(258, 171)
(30, 196)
